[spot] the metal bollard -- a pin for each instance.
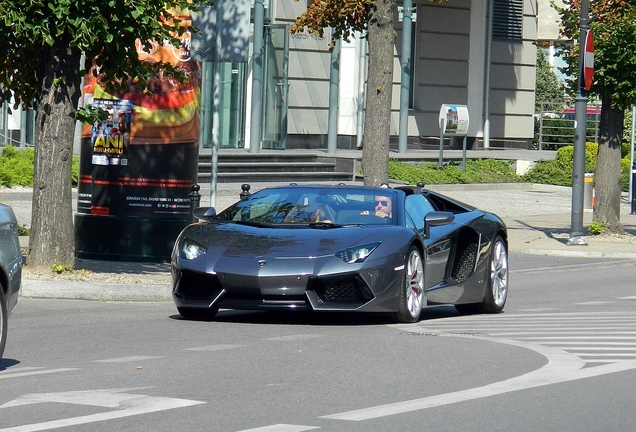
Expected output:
(245, 191)
(195, 200)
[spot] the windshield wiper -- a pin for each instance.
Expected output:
(254, 224)
(324, 225)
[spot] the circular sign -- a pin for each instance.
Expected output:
(588, 60)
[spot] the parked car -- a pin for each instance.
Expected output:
(341, 248)
(10, 269)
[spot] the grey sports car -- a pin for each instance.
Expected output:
(10, 269)
(341, 248)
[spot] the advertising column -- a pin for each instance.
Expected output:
(137, 166)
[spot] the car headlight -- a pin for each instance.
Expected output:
(191, 249)
(357, 254)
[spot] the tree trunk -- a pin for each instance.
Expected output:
(377, 121)
(607, 178)
(51, 240)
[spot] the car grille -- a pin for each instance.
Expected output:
(341, 289)
(198, 285)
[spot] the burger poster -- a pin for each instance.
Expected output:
(142, 160)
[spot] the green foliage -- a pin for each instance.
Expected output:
(23, 230)
(344, 17)
(559, 171)
(36, 33)
(89, 114)
(477, 171)
(16, 167)
(548, 86)
(59, 268)
(596, 228)
(626, 171)
(614, 32)
(549, 172)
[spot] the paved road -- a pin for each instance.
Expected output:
(561, 358)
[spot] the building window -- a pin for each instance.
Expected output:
(507, 20)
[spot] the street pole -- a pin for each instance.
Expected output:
(334, 87)
(257, 77)
(405, 81)
(577, 235)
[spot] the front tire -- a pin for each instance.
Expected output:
(412, 297)
(198, 314)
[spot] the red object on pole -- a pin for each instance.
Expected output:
(588, 60)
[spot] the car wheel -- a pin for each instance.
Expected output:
(3, 322)
(497, 289)
(198, 314)
(412, 295)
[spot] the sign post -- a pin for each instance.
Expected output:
(586, 64)
(453, 121)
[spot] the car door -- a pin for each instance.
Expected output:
(437, 247)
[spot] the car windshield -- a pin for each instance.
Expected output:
(316, 207)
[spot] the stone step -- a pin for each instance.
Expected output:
(280, 176)
(254, 167)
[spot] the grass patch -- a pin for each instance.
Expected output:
(16, 167)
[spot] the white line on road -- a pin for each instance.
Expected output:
(214, 347)
(562, 366)
(282, 428)
(127, 359)
(124, 405)
(32, 371)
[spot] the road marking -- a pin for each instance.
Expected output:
(130, 359)
(214, 347)
(124, 404)
(28, 371)
(281, 428)
(561, 367)
(595, 303)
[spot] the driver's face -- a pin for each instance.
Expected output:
(383, 204)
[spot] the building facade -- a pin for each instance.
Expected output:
(478, 53)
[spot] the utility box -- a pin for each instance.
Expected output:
(588, 191)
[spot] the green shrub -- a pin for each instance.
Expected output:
(16, 167)
(477, 171)
(559, 171)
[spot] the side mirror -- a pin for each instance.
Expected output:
(204, 213)
(437, 218)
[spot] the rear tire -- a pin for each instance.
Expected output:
(412, 297)
(497, 288)
(4, 315)
(198, 314)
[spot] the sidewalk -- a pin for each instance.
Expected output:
(538, 219)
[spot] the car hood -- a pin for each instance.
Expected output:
(236, 240)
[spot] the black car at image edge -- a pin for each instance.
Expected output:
(10, 269)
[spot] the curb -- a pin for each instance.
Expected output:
(81, 290)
